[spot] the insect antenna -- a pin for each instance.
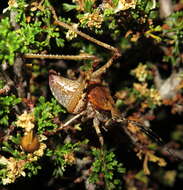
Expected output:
(148, 132)
(152, 135)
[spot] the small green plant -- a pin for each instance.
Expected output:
(174, 38)
(63, 156)
(107, 169)
(10, 42)
(45, 112)
(2, 83)
(6, 104)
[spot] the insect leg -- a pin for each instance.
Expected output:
(96, 124)
(83, 56)
(103, 69)
(66, 124)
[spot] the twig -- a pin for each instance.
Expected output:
(87, 37)
(65, 57)
(8, 85)
(18, 70)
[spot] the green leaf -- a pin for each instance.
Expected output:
(45, 112)
(68, 7)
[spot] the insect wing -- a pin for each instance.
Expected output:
(67, 92)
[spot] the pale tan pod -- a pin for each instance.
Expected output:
(67, 92)
(30, 142)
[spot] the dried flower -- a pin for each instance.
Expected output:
(3, 160)
(151, 93)
(69, 158)
(42, 138)
(40, 151)
(142, 88)
(149, 156)
(37, 6)
(26, 121)
(71, 34)
(11, 4)
(14, 169)
(141, 72)
(125, 4)
(93, 20)
(155, 96)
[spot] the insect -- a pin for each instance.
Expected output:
(88, 97)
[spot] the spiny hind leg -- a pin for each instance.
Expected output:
(115, 51)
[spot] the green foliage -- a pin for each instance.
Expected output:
(68, 7)
(106, 165)
(142, 177)
(146, 6)
(45, 112)
(115, 2)
(88, 4)
(178, 135)
(3, 172)
(30, 37)
(32, 168)
(9, 146)
(29, 32)
(86, 67)
(6, 105)
(2, 83)
(174, 35)
(10, 42)
(63, 156)
(180, 171)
